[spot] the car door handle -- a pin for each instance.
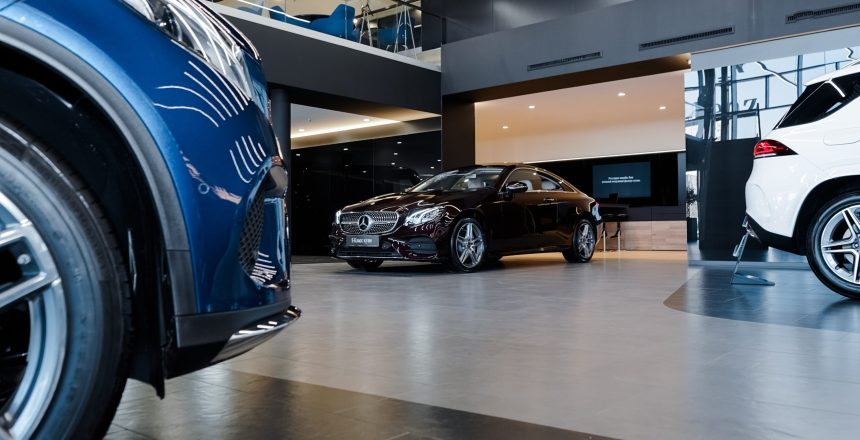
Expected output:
(549, 200)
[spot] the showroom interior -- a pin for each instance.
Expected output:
(653, 109)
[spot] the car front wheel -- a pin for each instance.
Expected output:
(468, 247)
(583, 243)
(64, 302)
(833, 245)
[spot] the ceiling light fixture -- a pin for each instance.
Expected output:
(399, 142)
(395, 153)
(346, 149)
(505, 127)
(366, 119)
(531, 107)
(662, 107)
(339, 128)
(622, 94)
(393, 163)
(301, 130)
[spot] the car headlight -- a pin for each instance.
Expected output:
(423, 216)
(198, 29)
(337, 217)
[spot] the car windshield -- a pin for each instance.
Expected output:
(460, 180)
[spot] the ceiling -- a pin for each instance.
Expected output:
(585, 106)
(585, 121)
(310, 121)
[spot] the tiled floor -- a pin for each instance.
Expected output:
(635, 345)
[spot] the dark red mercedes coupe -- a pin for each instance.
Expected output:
(467, 217)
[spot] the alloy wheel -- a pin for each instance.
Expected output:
(470, 245)
(840, 244)
(585, 240)
(33, 323)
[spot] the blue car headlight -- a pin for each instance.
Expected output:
(195, 27)
(422, 216)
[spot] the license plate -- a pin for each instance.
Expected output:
(362, 241)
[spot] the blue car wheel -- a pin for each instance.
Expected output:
(64, 299)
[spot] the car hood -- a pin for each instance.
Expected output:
(407, 201)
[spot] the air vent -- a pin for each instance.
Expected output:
(568, 60)
(821, 13)
(687, 38)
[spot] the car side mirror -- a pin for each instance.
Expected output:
(513, 188)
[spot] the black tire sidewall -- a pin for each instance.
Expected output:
(93, 293)
(453, 261)
(813, 246)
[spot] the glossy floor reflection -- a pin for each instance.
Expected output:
(582, 348)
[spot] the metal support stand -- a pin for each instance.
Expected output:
(364, 30)
(404, 21)
(743, 278)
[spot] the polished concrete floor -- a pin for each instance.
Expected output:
(632, 345)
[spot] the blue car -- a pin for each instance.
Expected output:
(143, 215)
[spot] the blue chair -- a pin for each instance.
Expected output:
(277, 13)
(338, 24)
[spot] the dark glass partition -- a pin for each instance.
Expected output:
(325, 179)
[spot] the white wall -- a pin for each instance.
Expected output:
(584, 122)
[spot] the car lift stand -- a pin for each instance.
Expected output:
(743, 278)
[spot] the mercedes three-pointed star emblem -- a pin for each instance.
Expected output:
(364, 223)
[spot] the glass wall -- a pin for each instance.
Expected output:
(325, 179)
(390, 25)
(728, 110)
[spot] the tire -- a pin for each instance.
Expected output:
(833, 250)
(583, 243)
(83, 306)
(468, 246)
(368, 265)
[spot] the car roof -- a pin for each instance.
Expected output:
(850, 69)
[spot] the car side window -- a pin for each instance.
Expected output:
(528, 177)
(547, 183)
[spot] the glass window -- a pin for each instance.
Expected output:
(528, 177)
(821, 100)
(547, 183)
(460, 180)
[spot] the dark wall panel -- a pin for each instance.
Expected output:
(328, 178)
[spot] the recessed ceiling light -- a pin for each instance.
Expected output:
(432, 168)
(366, 119)
(298, 154)
(301, 130)
(399, 142)
(622, 94)
(364, 172)
(395, 154)
(438, 160)
(662, 107)
(346, 149)
(531, 107)
(505, 127)
(393, 163)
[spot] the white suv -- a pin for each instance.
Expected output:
(804, 192)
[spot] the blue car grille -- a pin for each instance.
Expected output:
(252, 234)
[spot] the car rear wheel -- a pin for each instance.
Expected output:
(583, 243)
(468, 248)
(833, 245)
(64, 304)
(364, 264)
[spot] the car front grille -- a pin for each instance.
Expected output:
(370, 222)
(252, 234)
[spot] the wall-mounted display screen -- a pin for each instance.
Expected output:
(628, 180)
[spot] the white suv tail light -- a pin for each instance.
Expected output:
(771, 148)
